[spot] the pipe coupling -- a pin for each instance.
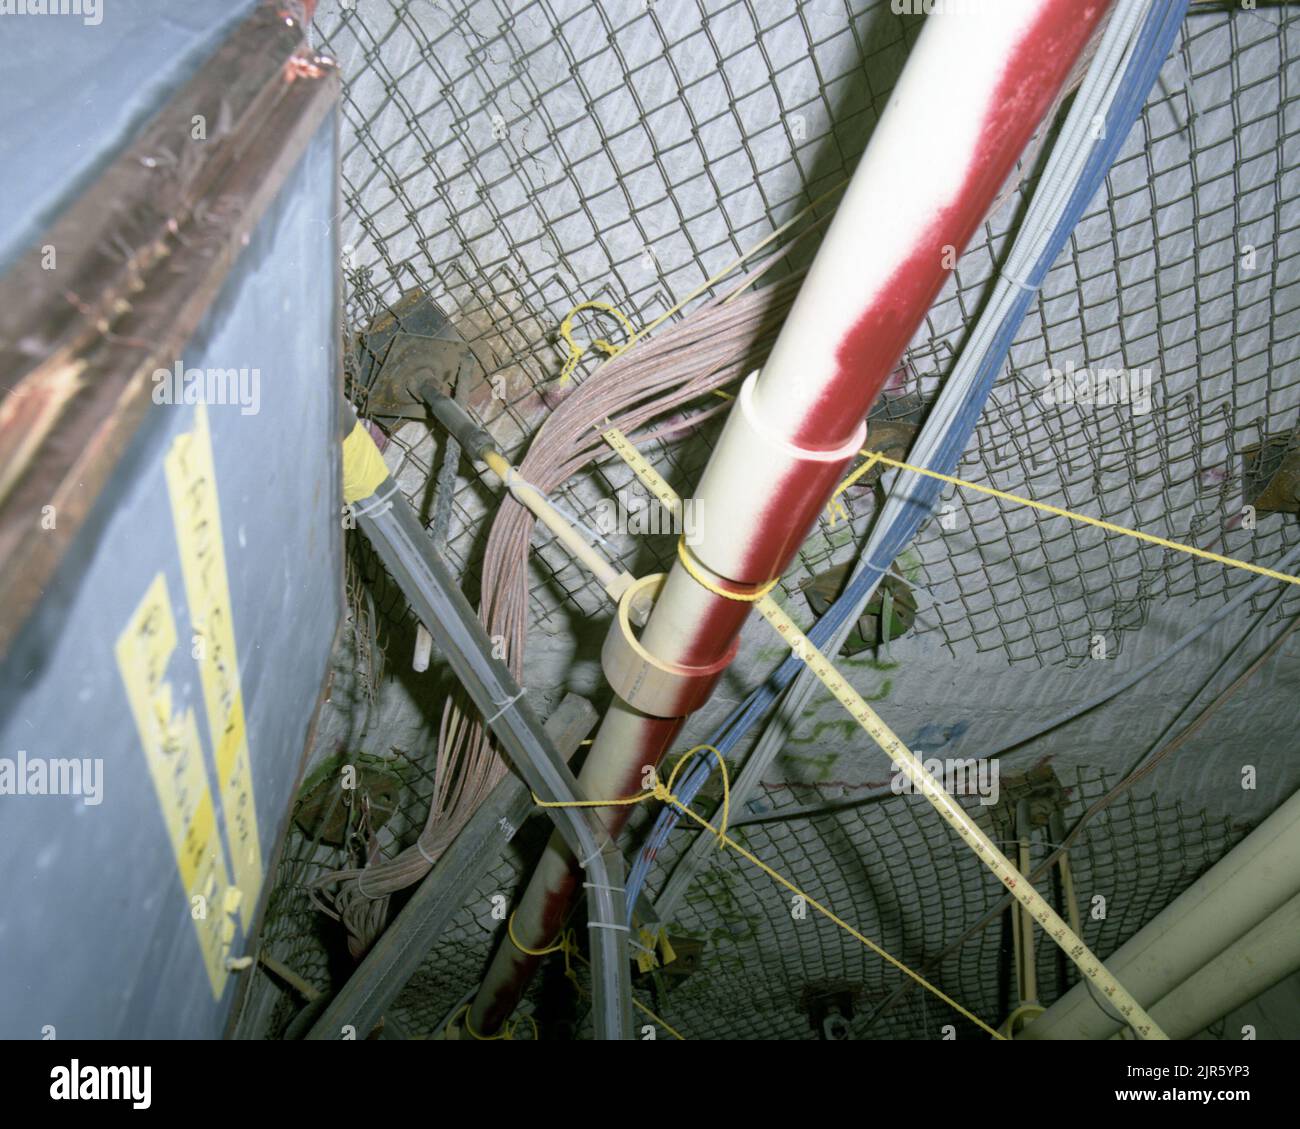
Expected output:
(648, 684)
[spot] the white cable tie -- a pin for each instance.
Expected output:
(503, 706)
(584, 863)
(372, 897)
(608, 925)
(375, 502)
(419, 846)
(1011, 278)
(599, 886)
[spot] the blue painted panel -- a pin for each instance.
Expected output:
(95, 934)
(75, 88)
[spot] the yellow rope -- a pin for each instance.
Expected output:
(663, 792)
(568, 945)
(666, 1026)
(576, 350)
(506, 1034)
(1110, 527)
(965, 827)
(833, 506)
(510, 932)
(726, 784)
(693, 567)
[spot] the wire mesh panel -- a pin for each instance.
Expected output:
(514, 160)
(896, 872)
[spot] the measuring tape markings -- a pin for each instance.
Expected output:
(984, 848)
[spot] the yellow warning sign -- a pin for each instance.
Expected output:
(175, 758)
(192, 485)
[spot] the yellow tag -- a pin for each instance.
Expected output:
(666, 951)
(363, 465)
(175, 758)
(645, 957)
(192, 485)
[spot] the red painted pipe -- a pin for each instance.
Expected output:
(974, 91)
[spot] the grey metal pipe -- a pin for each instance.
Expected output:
(402, 544)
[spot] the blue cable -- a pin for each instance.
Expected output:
(1153, 46)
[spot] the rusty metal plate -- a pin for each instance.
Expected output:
(410, 360)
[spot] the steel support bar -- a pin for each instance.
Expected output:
(402, 544)
(398, 952)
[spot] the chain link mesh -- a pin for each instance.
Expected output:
(515, 159)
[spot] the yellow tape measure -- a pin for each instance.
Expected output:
(830, 677)
(650, 478)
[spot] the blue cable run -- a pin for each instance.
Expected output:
(1154, 43)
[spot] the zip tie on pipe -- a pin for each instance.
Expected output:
(419, 846)
(608, 925)
(584, 863)
(504, 706)
(375, 503)
(599, 886)
(1020, 282)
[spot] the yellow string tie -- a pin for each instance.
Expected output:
(693, 567)
(510, 932)
(506, 1034)
(671, 798)
(834, 507)
(1110, 527)
(608, 348)
(664, 792)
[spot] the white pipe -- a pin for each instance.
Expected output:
(929, 145)
(1244, 970)
(975, 87)
(1256, 878)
